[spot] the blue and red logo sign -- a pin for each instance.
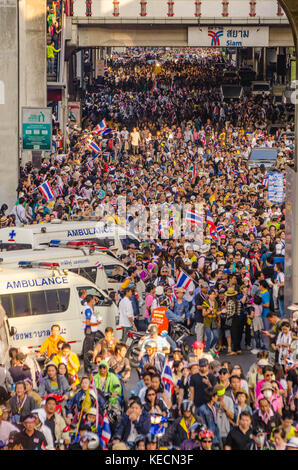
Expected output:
(12, 236)
(215, 37)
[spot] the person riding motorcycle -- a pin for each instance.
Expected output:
(180, 430)
(193, 441)
(162, 344)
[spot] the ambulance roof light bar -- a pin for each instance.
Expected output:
(74, 244)
(78, 244)
(33, 264)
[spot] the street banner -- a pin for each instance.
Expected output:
(276, 188)
(159, 318)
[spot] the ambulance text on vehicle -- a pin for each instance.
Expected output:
(35, 299)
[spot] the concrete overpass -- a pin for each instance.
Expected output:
(179, 23)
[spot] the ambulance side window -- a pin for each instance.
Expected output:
(87, 273)
(101, 300)
(21, 305)
(115, 273)
(63, 299)
(37, 302)
(6, 302)
(52, 301)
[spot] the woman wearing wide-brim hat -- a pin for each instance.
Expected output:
(233, 322)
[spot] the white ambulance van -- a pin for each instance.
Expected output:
(35, 299)
(96, 265)
(5, 334)
(31, 236)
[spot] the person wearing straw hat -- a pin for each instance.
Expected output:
(233, 321)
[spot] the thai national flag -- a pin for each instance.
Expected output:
(106, 434)
(100, 128)
(98, 265)
(111, 168)
(235, 172)
(193, 217)
(167, 378)
(107, 131)
(46, 190)
(265, 181)
(94, 147)
(183, 280)
(209, 221)
(219, 228)
(90, 164)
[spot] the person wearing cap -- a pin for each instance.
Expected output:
(31, 438)
(152, 357)
(108, 382)
(198, 351)
(224, 412)
(163, 345)
(180, 429)
(261, 441)
(199, 382)
(233, 321)
(193, 441)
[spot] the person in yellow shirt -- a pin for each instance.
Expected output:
(50, 345)
(70, 359)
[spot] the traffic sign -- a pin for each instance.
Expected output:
(36, 128)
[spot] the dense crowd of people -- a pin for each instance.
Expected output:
(156, 132)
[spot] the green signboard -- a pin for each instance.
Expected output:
(293, 70)
(36, 128)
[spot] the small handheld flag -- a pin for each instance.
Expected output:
(46, 190)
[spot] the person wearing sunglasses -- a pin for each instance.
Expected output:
(206, 439)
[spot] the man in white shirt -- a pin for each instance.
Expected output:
(20, 212)
(126, 314)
